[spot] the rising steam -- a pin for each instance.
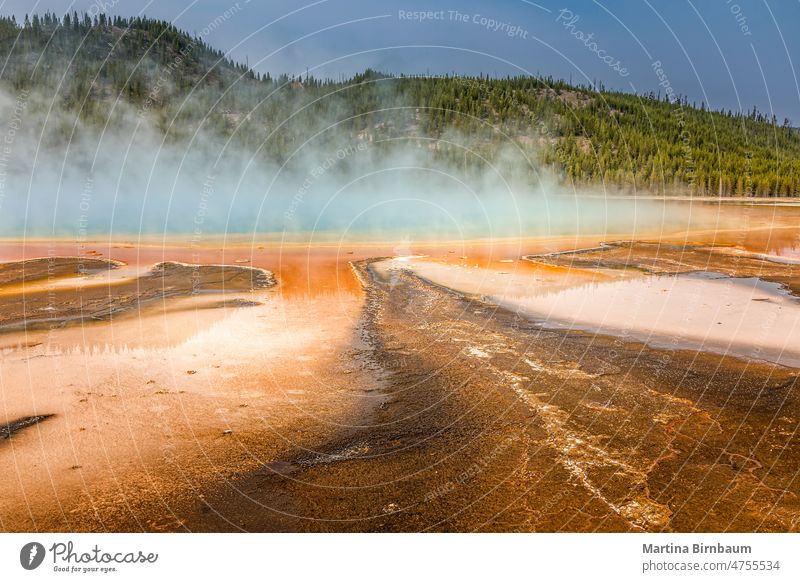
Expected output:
(62, 177)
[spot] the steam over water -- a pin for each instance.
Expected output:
(133, 180)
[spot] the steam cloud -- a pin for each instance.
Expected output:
(127, 179)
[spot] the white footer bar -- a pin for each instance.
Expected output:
(389, 557)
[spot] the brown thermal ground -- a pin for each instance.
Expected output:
(455, 388)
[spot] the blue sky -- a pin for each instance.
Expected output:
(732, 54)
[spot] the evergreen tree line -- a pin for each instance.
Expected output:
(101, 68)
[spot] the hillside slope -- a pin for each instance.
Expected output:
(103, 69)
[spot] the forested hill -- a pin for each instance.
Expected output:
(102, 69)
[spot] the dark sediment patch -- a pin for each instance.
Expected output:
(172, 275)
(6, 431)
(60, 306)
(238, 302)
(31, 270)
(661, 258)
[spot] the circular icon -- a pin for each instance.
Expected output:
(31, 555)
